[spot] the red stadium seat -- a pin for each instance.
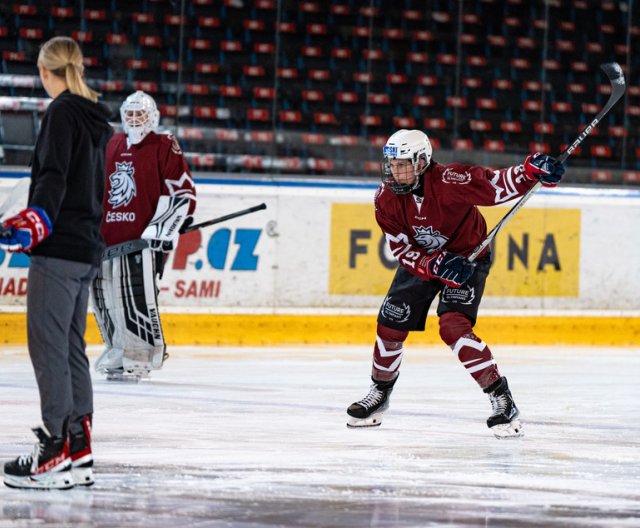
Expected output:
(601, 151)
(258, 114)
(514, 127)
(290, 116)
(462, 144)
(537, 146)
(379, 98)
(601, 176)
(324, 118)
(544, 128)
(480, 125)
(404, 122)
(494, 145)
(264, 92)
(370, 120)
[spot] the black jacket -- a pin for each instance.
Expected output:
(67, 177)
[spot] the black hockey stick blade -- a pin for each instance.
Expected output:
(615, 75)
(224, 218)
(117, 250)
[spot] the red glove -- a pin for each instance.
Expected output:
(453, 270)
(25, 230)
(542, 167)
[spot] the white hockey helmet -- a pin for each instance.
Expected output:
(140, 116)
(412, 145)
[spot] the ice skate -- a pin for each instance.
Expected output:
(48, 467)
(504, 421)
(122, 376)
(81, 455)
(110, 359)
(368, 411)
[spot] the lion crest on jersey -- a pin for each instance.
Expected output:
(123, 186)
(428, 239)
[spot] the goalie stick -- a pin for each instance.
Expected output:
(131, 246)
(616, 78)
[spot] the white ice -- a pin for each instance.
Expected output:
(240, 437)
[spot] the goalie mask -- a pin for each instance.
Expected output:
(139, 116)
(414, 148)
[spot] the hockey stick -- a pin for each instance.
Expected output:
(132, 246)
(223, 218)
(616, 78)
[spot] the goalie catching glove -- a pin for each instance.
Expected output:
(25, 230)
(164, 228)
(543, 168)
(453, 270)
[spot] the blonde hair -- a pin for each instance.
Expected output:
(63, 58)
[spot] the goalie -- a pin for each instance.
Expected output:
(149, 194)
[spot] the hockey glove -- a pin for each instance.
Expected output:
(453, 270)
(25, 230)
(165, 225)
(541, 167)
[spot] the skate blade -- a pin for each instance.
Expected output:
(123, 377)
(510, 430)
(61, 482)
(372, 421)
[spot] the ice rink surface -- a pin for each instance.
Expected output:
(250, 438)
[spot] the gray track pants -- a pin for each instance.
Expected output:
(57, 298)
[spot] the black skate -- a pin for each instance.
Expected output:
(48, 467)
(81, 455)
(368, 411)
(504, 421)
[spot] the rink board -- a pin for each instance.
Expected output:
(272, 276)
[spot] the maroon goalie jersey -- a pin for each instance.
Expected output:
(446, 217)
(136, 177)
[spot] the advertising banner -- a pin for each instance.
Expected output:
(317, 246)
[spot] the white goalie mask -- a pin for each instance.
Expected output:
(412, 145)
(140, 116)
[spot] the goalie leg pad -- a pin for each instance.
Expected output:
(104, 300)
(144, 340)
(126, 308)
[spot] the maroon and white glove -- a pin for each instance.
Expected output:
(544, 168)
(25, 230)
(453, 270)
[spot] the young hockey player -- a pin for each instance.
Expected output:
(149, 194)
(61, 230)
(428, 214)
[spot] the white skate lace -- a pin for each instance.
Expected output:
(27, 460)
(499, 403)
(373, 398)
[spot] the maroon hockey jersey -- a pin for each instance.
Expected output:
(446, 217)
(135, 178)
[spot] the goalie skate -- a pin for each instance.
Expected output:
(119, 375)
(110, 359)
(368, 411)
(504, 422)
